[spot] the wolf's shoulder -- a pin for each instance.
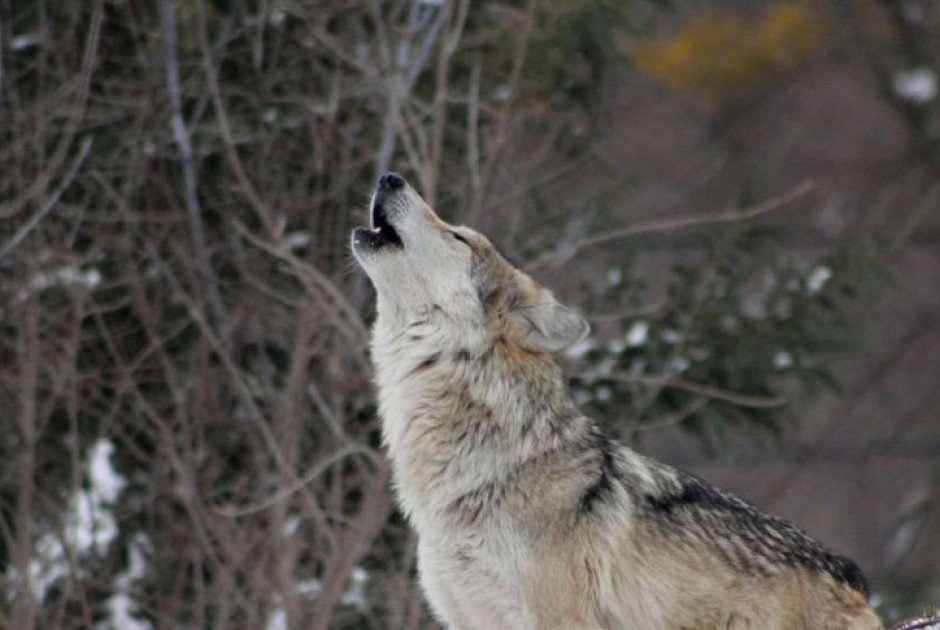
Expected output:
(690, 506)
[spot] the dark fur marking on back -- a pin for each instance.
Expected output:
(601, 489)
(721, 516)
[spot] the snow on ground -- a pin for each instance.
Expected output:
(120, 605)
(89, 523)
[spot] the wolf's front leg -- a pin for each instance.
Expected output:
(445, 601)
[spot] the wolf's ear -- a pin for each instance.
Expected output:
(545, 325)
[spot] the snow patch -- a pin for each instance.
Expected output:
(580, 349)
(277, 619)
(503, 93)
(917, 85)
(581, 397)
(291, 524)
(309, 587)
(783, 360)
(92, 523)
(297, 240)
(278, 16)
(677, 365)
(120, 615)
(68, 275)
(817, 279)
(638, 334)
(89, 524)
(356, 594)
(671, 336)
(25, 41)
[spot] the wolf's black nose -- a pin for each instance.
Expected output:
(391, 181)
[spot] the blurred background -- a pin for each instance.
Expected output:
(742, 196)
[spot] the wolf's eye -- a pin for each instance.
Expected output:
(460, 238)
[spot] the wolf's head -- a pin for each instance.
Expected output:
(427, 270)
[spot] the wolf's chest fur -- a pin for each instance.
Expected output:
(464, 427)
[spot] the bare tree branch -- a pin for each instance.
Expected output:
(50, 203)
(317, 470)
(187, 163)
(743, 400)
(665, 225)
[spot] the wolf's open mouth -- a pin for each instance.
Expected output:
(380, 232)
(383, 231)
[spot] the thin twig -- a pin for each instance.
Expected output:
(332, 421)
(321, 467)
(617, 316)
(347, 316)
(449, 44)
(921, 623)
(243, 391)
(225, 128)
(40, 183)
(503, 118)
(51, 202)
(665, 225)
(715, 393)
(473, 139)
(674, 419)
(403, 72)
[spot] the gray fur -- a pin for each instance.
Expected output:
(528, 516)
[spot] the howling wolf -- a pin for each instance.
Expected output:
(527, 515)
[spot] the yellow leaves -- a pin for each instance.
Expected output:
(790, 34)
(719, 58)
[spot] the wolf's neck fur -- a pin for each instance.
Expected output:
(459, 417)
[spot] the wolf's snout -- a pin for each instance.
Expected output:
(386, 204)
(391, 181)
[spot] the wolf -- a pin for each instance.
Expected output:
(528, 516)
